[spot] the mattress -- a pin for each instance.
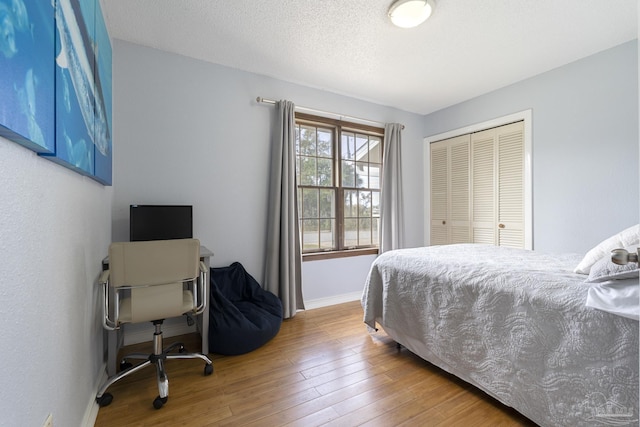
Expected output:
(513, 323)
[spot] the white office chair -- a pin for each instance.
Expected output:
(149, 282)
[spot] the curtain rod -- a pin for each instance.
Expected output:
(312, 110)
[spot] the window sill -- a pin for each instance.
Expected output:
(339, 254)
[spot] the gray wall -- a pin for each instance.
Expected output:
(55, 228)
(191, 132)
(585, 145)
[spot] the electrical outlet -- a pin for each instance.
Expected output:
(49, 421)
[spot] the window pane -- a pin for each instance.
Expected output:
(348, 146)
(325, 143)
(310, 240)
(375, 150)
(348, 174)
(325, 172)
(327, 234)
(375, 204)
(375, 231)
(309, 203)
(308, 171)
(364, 207)
(362, 175)
(327, 204)
(350, 203)
(362, 148)
(307, 141)
(297, 139)
(364, 232)
(350, 232)
(374, 175)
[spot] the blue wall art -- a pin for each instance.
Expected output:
(103, 58)
(57, 100)
(83, 91)
(27, 104)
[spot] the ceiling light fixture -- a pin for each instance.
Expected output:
(410, 13)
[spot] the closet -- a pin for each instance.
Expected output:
(450, 167)
(477, 187)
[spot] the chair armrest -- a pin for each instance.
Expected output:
(199, 290)
(107, 322)
(104, 277)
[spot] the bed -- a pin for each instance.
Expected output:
(513, 323)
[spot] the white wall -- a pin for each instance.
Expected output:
(55, 228)
(191, 132)
(585, 145)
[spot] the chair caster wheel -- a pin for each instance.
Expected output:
(159, 402)
(125, 365)
(208, 369)
(104, 400)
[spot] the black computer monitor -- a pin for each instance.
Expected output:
(160, 222)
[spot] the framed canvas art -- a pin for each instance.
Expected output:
(103, 79)
(27, 107)
(55, 85)
(83, 77)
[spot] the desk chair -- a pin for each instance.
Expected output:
(149, 282)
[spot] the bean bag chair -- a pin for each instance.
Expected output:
(242, 315)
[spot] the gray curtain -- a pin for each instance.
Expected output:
(391, 205)
(283, 267)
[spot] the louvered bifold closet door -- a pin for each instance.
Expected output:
(439, 193)
(510, 145)
(483, 210)
(450, 191)
(478, 188)
(459, 193)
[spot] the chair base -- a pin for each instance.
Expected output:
(156, 358)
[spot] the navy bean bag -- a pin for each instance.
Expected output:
(242, 315)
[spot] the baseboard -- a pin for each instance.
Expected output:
(336, 299)
(91, 413)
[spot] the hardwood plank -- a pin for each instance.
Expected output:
(376, 409)
(323, 368)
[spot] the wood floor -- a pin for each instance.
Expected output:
(323, 369)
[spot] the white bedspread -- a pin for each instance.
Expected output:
(513, 323)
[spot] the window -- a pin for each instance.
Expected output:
(338, 166)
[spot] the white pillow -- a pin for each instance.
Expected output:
(619, 297)
(627, 237)
(605, 269)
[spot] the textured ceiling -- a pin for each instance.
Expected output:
(465, 49)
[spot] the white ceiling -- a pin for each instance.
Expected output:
(467, 48)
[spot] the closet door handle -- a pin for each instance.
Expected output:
(444, 222)
(500, 225)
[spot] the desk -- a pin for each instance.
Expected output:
(116, 338)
